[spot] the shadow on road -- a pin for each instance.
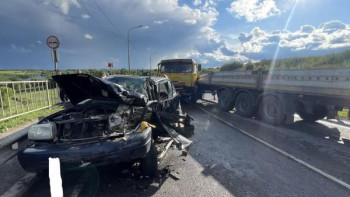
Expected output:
(316, 129)
(327, 132)
(112, 180)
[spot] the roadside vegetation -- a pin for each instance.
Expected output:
(8, 124)
(336, 60)
(36, 75)
(17, 101)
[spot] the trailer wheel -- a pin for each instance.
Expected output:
(244, 105)
(225, 102)
(318, 113)
(271, 111)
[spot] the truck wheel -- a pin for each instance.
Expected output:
(149, 164)
(194, 97)
(225, 102)
(244, 105)
(318, 113)
(271, 111)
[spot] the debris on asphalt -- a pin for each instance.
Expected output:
(14, 146)
(175, 175)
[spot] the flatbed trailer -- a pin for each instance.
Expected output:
(274, 96)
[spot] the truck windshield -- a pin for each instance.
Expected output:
(176, 67)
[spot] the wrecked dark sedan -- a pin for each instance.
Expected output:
(116, 119)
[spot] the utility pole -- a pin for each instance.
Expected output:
(129, 43)
(150, 62)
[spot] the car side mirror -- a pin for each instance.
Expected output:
(199, 67)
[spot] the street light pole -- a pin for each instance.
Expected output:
(129, 43)
(150, 62)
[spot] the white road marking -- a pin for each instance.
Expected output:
(55, 177)
(313, 168)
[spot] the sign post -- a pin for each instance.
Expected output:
(110, 65)
(53, 43)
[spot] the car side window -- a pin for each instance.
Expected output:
(166, 87)
(170, 89)
(163, 90)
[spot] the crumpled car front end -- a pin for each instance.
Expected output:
(100, 133)
(107, 124)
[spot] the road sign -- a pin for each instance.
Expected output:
(110, 65)
(52, 42)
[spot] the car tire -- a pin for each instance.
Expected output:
(149, 164)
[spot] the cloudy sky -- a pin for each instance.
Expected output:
(94, 32)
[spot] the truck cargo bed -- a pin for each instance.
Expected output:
(326, 82)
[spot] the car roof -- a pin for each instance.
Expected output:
(155, 79)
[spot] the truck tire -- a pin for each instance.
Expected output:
(225, 100)
(244, 105)
(149, 164)
(271, 111)
(318, 113)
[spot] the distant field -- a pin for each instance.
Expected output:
(17, 75)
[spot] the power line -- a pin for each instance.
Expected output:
(109, 21)
(114, 27)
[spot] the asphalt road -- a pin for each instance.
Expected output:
(223, 161)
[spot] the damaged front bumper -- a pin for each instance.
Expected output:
(129, 148)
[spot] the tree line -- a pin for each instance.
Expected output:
(335, 60)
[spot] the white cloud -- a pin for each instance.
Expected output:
(88, 36)
(85, 16)
(158, 22)
(188, 32)
(38, 42)
(197, 2)
(19, 49)
(209, 4)
(254, 10)
(63, 5)
(308, 39)
(191, 21)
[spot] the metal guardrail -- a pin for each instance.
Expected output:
(22, 97)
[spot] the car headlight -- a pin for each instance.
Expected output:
(46, 131)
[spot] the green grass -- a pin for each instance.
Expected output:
(343, 114)
(13, 122)
(29, 101)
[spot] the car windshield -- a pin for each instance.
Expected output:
(129, 83)
(176, 67)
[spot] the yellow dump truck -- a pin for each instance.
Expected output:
(183, 73)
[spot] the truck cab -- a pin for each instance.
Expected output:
(182, 72)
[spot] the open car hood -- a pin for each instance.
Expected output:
(79, 87)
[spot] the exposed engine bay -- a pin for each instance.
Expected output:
(97, 120)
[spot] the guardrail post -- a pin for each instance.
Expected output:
(8, 99)
(48, 95)
(2, 104)
(15, 97)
